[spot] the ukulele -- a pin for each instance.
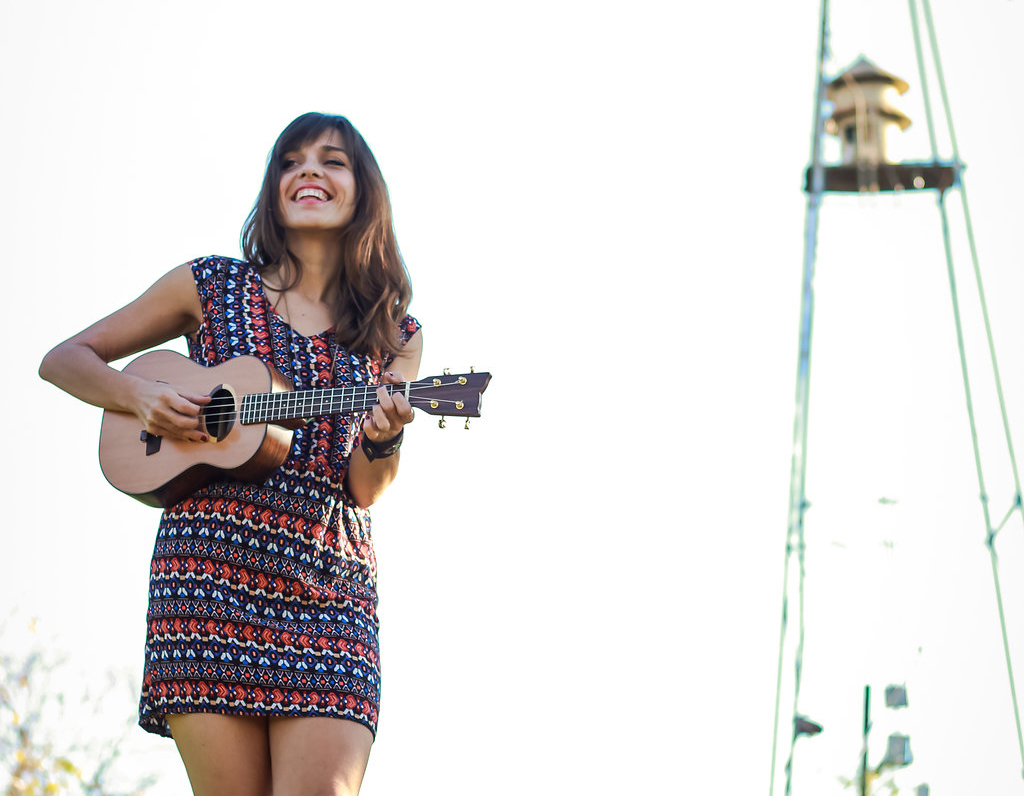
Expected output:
(252, 413)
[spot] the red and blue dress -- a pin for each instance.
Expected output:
(262, 598)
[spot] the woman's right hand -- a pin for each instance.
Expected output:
(168, 411)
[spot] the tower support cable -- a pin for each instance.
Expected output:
(798, 467)
(926, 6)
(990, 531)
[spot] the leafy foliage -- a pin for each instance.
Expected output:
(51, 742)
(875, 785)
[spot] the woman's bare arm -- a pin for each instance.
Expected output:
(168, 309)
(366, 480)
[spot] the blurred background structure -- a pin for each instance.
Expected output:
(859, 106)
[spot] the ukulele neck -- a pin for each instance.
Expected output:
(272, 407)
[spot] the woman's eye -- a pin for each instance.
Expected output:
(336, 163)
(287, 163)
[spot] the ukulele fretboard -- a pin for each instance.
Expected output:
(273, 406)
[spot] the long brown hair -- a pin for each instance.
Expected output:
(374, 290)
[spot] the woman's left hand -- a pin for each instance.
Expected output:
(391, 412)
(366, 480)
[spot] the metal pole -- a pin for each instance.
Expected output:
(864, 752)
(798, 467)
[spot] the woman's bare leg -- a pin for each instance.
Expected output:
(318, 756)
(223, 755)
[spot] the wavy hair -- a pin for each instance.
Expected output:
(374, 290)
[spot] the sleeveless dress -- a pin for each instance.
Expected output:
(262, 597)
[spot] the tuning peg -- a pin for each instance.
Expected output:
(472, 369)
(447, 371)
(467, 424)
(441, 422)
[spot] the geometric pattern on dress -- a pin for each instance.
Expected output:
(263, 597)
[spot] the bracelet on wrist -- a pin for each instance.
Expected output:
(381, 449)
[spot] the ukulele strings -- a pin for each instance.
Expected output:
(280, 400)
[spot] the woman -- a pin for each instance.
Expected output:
(261, 649)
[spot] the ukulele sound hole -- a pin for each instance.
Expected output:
(219, 414)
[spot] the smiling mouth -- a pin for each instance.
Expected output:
(311, 193)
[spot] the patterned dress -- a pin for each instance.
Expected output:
(262, 598)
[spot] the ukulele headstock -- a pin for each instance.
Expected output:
(449, 395)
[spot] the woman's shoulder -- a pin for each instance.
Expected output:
(215, 269)
(216, 276)
(216, 263)
(407, 327)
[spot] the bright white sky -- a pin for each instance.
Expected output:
(601, 204)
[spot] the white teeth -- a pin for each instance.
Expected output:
(314, 192)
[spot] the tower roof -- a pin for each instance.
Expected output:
(865, 71)
(894, 115)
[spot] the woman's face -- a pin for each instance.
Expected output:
(317, 190)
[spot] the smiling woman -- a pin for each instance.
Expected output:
(325, 203)
(373, 289)
(262, 659)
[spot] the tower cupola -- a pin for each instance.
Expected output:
(864, 112)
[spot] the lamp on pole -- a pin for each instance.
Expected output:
(897, 753)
